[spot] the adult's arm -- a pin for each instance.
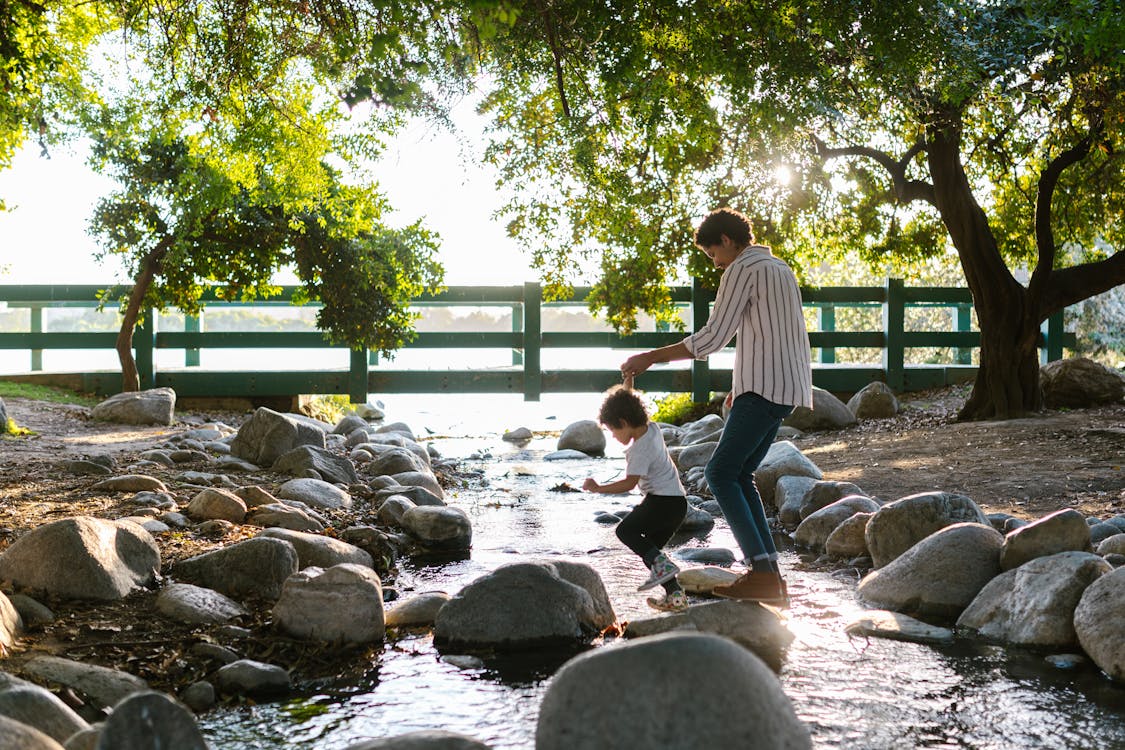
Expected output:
(638, 363)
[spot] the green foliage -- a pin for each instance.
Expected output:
(672, 408)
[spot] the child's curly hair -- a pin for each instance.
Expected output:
(622, 406)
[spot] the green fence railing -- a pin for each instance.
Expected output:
(527, 341)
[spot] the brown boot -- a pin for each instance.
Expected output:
(768, 588)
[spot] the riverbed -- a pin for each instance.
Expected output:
(852, 692)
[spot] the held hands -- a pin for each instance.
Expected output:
(591, 485)
(633, 366)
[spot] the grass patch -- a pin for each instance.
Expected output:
(678, 408)
(54, 394)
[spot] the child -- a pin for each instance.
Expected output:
(650, 525)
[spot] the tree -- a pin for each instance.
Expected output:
(883, 129)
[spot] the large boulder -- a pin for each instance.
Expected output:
(825, 492)
(310, 458)
(788, 496)
(268, 435)
(153, 406)
(438, 528)
(256, 567)
(1033, 605)
(343, 603)
(315, 493)
(320, 550)
(677, 690)
(40, 708)
(828, 413)
(875, 400)
(1062, 531)
(899, 525)
(517, 607)
(783, 459)
(1099, 624)
(149, 720)
(814, 531)
(1079, 383)
(103, 686)
(585, 435)
(82, 558)
(938, 577)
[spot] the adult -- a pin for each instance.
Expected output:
(759, 300)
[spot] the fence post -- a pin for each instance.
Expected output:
(36, 327)
(700, 369)
(517, 326)
(1053, 349)
(357, 376)
(828, 324)
(963, 354)
(144, 344)
(192, 324)
(894, 322)
(532, 337)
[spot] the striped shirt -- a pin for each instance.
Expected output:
(759, 299)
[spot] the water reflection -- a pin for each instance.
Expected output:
(866, 694)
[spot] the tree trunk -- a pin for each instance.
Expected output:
(150, 267)
(1007, 383)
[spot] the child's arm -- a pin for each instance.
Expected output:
(612, 488)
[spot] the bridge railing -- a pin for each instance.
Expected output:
(527, 340)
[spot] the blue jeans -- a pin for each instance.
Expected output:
(749, 430)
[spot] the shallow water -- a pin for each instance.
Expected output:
(853, 693)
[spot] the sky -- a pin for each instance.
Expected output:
(43, 238)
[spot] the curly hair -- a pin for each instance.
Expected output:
(622, 407)
(724, 221)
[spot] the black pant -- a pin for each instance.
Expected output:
(650, 525)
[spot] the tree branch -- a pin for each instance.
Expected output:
(905, 191)
(552, 39)
(1070, 286)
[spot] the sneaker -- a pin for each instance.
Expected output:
(662, 570)
(767, 588)
(674, 602)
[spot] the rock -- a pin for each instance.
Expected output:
(104, 686)
(789, 493)
(1101, 531)
(816, 528)
(658, 677)
(1062, 531)
(15, 735)
(154, 406)
(342, 603)
(3, 418)
(1114, 545)
(131, 483)
(585, 436)
(517, 607)
(33, 613)
(938, 577)
(691, 456)
(196, 605)
(438, 528)
(400, 428)
(40, 708)
(395, 460)
(1099, 624)
(565, 455)
(518, 435)
(83, 467)
(249, 677)
(426, 739)
(199, 696)
(1033, 605)
(1079, 383)
(848, 540)
(315, 493)
(782, 460)
(267, 435)
(213, 503)
(420, 610)
(255, 567)
(82, 558)
(283, 516)
(370, 411)
(895, 626)
(10, 624)
(749, 624)
(704, 580)
(899, 525)
(875, 400)
(416, 495)
(710, 555)
(144, 721)
(328, 466)
(825, 492)
(695, 521)
(828, 413)
(584, 576)
(392, 510)
(424, 479)
(706, 429)
(321, 551)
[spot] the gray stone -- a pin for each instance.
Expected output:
(328, 466)
(214, 503)
(83, 467)
(940, 576)
(1079, 382)
(15, 735)
(103, 686)
(267, 435)
(690, 456)
(789, 493)
(1033, 605)
(695, 521)
(420, 610)
(425, 739)
(33, 613)
(583, 575)
(585, 436)
(569, 454)
(658, 677)
(828, 413)
(342, 603)
(199, 696)
(1062, 531)
(899, 525)
(196, 605)
(82, 558)
(316, 493)
(709, 555)
(1099, 624)
(392, 510)
(824, 493)
(875, 400)
(319, 550)
(518, 435)
(145, 721)
(282, 516)
(848, 540)
(254, 567)
(1102, 531)
(704, 580)
(249, 677)
(444, 528)
(131, 483)
(395, 460)
(153, 406)
(895, 626)
(783, 459)
(814, 531)
(424, 479)
(1114, 545)
(40, 708)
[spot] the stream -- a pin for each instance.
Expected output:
(851, 692)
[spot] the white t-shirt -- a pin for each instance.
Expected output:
(647, 458)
